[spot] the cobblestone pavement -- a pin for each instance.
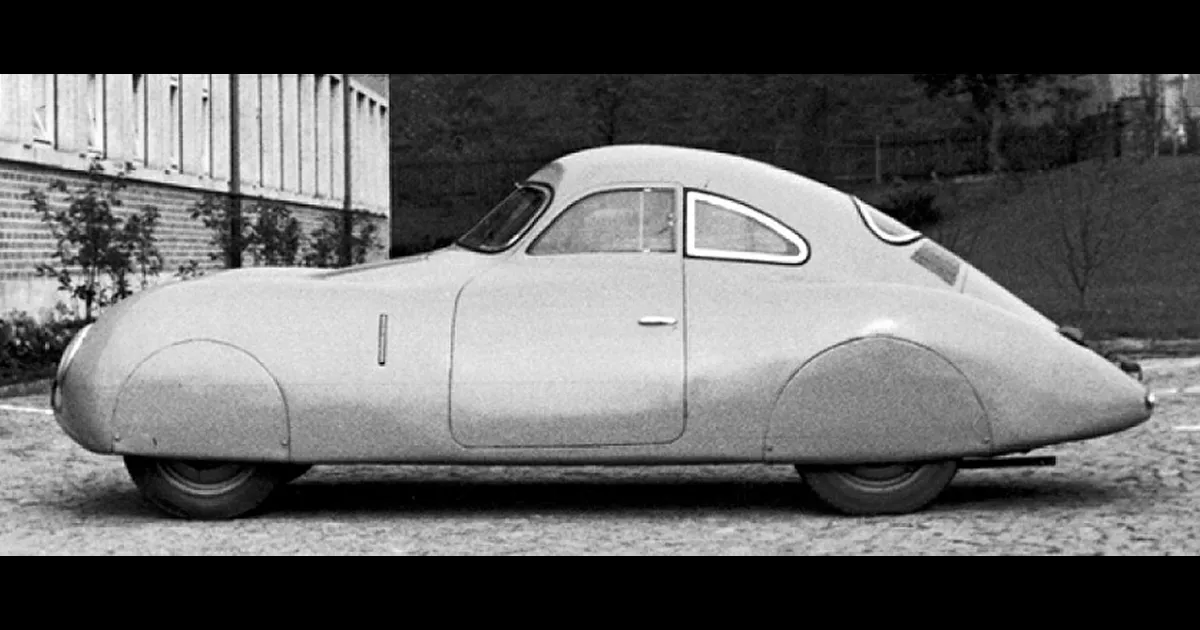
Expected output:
(1132, 494)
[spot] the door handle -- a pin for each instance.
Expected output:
(659, 321)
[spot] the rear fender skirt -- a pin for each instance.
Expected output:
(877, 400)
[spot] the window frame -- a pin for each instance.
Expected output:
(676, 191)
(175, 122)
(526, 229)
(97, 104)
(44, 132)
(865, 211)
(767, 221)
(138, 88)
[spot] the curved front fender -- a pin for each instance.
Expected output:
(202, 400)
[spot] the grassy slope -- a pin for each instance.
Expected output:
(1152, 286)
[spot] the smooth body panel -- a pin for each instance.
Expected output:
(196, 398)
(571, 351)
(878, 400)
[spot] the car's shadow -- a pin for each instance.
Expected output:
(347, 495)
(634, 497)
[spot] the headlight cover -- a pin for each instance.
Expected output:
(69, 353)
(64, 364)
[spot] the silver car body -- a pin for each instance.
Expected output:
(870, 345)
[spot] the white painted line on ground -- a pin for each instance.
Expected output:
(1192, 429)
(45, 412)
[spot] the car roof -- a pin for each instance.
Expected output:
(695, 168)
(787, 196)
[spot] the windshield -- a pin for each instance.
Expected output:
(505, 225)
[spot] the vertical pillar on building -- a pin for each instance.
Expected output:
(348, 170)
(234, 256)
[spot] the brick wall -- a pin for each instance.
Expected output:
(25, 241)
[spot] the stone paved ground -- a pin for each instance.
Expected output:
(1133, 494)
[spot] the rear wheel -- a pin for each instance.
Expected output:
(205, 490)
(881, 490)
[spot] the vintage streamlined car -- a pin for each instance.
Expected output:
(635, 305)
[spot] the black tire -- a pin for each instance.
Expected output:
(208, 491)
(881, 490)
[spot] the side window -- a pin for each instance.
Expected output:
(724, 229)
(617, 222)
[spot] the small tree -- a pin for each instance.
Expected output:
(1090, 229)
(93, 244)
(139, 247)
(267, 232)
(224, 220)
(274, 237)
(325, 242)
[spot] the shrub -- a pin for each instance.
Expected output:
(271, 236)
(914, 206)
(274, 238)
(29, 347)
(324, 247)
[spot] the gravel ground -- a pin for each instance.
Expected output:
(1132, 494)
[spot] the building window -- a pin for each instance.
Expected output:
(299, 132)
(175, 102)
(45, 108)
(384, 162)
(372, 151)
(139, 117)
(316, 133)
(206, 126)
(282, 133)
(259, 106)
(337, 139)
(96, 114)
(361, 184)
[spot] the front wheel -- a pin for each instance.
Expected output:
(881, 490)
(204, 490)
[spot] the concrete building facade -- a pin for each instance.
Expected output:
(178, 133)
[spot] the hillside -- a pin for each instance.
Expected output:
(1143, 218)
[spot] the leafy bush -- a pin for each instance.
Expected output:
(914, 206)
(272, 237)
(275, 237)
(97, 252)
(32, 348)
(324, 247)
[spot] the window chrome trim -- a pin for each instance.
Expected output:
(529, 226)
(693, 197)
(864, 211)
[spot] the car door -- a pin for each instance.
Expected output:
(577, 341)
